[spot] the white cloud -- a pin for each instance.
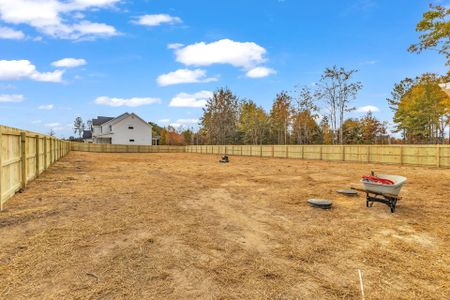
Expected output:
(369, 62)
(245, 55)
(46, 107)
(55, 126)
(24, 69)
(260, 72)
(89, 30)
(57, 18)
(36, 122)
(11, 34)
(130, 102)
(184, 123)
(184, 76)
(367, 108)
(164, 121)
(156, 20)
(14, 98)
(175, 46)
(196, 100)
(69, 62)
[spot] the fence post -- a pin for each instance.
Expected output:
(23, 158)
(45, 153)
(401, 155)
(287, 151)
(49, 149)
(438, 155)
(273, 151)
(320, 152)
(1, 170)
(368, 154)
(343, 152)
(303, 151)
(38, 159)
(260, 151)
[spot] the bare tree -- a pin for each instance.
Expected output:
(51, 132)
(78, 126)
(337, 90)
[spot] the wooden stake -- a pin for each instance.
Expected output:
(361, 285)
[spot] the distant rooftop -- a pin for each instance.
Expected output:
(101, 120)
(87, 134)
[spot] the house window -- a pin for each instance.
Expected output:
(131, 141)
(110, 127)
(130, 127)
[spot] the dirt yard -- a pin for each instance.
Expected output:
(183, 226)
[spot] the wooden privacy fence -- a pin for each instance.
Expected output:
(108, 148)
(23, 156)
(421, 155)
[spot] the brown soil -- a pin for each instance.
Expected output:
(171, 226)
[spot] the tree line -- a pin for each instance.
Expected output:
(420, 106)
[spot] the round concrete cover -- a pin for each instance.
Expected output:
(348, 192)
(321, 203)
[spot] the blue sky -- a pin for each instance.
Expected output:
(161, 58)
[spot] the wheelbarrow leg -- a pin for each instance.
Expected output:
(369, 202)
(393, 205)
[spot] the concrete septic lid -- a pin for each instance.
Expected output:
(348, 192)
(320, 203)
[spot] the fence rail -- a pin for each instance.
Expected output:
(23, 156)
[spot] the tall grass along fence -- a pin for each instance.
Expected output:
(23, 156)
(420, 155)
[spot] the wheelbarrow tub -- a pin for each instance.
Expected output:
(379, 188)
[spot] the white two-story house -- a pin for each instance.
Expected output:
(126, 129)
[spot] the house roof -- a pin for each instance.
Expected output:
(101, 120)
(126, 115)
(87, 134)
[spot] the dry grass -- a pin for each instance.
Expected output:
(172, 226)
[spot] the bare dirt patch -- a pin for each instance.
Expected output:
(171, 226)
